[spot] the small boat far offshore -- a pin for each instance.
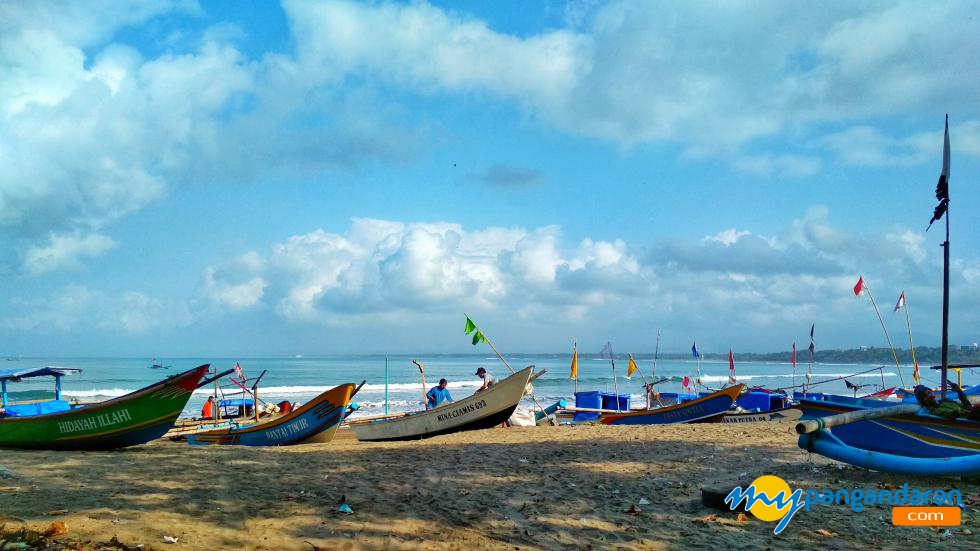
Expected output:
(136, 418)
(480, 411)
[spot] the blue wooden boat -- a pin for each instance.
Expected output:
(709, 408)
(910, 444)
(314, 421)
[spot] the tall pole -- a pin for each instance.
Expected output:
(386, 385)
(945, 306)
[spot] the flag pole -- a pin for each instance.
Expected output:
(490, 344)
(612, 360)
(945, 377)
(386, 385)
(908, 322)
(653, 374)
(793, 357)
(575, 360)
(887, 338)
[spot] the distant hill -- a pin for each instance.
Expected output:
(926, 356)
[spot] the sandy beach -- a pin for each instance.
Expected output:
(581, 487)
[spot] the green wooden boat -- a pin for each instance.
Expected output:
(135, 418)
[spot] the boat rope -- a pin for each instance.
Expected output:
(831, 380)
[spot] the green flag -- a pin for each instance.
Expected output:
(470, 326)
(478, 338)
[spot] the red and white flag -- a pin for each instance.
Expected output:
(901, 302)
(686, 383)
(859, 286)
(731, 367)
(793, 357)
(239, 372)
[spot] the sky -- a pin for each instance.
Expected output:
(224, 178)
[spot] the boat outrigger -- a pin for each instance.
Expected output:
(129, 420)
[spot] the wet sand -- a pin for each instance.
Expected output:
(582, 487)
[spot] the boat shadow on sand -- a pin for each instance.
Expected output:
(568, 488)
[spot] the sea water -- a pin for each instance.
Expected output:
(297, 379)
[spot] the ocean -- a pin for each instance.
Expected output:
(298, 379)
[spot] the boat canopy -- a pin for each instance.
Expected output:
(15, 375)
(11, 374)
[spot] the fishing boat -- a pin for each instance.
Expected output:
(314, 421)
(706, 409)
(480, 411)
(135, 418)
(901, 439)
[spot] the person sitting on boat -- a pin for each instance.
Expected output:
(207, 412)
(488, 379)
(653, 397)
(437, 395)
(947, 409)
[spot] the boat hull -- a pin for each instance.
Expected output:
(706, 409)
(314, 421)
(914, 444)
(480, 411)
(784, 414)
(129, 420)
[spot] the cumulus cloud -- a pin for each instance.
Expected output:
(235, 284)
(382, 269)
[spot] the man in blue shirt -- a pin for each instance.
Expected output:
(437, 395)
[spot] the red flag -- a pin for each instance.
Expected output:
(793, 358)
(859, 286)
(239, 372)
(731, 367)
(686, 382)
(901, 302)
(915, 371)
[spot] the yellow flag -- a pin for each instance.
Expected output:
(631, 368)
(574, 373)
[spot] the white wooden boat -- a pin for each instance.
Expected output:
(480, 411)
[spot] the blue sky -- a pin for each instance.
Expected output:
(224, 178)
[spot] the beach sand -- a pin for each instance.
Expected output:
(529, 488)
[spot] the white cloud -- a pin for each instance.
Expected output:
(65, 251)
(388, 270)
(235, 284)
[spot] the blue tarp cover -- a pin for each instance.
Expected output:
(40, 408)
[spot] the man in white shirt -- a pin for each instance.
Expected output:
(488, 379)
